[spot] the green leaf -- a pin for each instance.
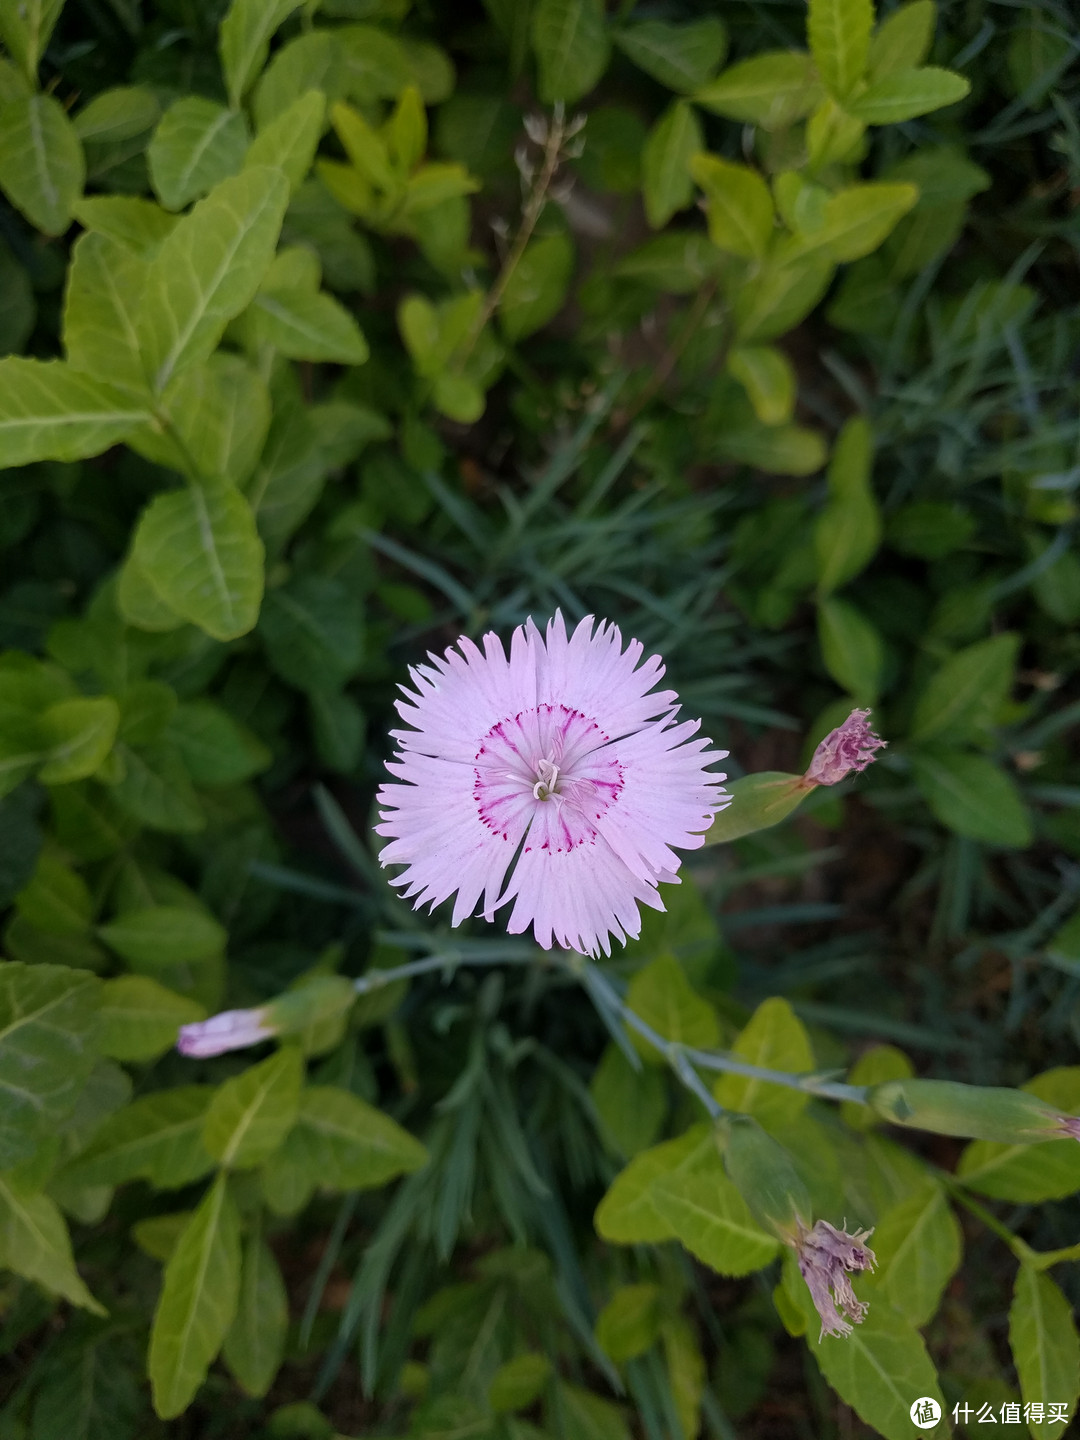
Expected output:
(200, 551)
(584, 1416)
(34, 1242)
(197, 144)
(631, 1103)
(536, 289)
(312, 61)
(26, 27)
(879, 1369)
(964, 696)
(156, 1138)
(79, 735)
(339, 728)
(839, 36)
(155, 789)
(255, 1342)
(757, 802)
(767, 376)
(48, 1034)
(666, 185)
(347, 1144)
(57, 899)
(774, 1039)
(851, 648)
(215, 748)
(858, 219)
(290, 140)
(777, 449)
(105, 285)
(772, 90)
(902, 40)
(682, 57)
(904, 94)
(848, 531)
(18, 309)
(208, 270)
(198, 1302)
(118, 114)
(626, 1215)
(303, 326)
(784, 292)
(629, 1324)
(133, 221)
(738, 205)
(164, 935)
(313, 632)
(244, 41)
(918, 1246)
(663, 997)
(1029, 1174)
(41, 161)
(140, 1019)
(1045, 1346)
(218, 416)
(571, 46)
(253, 1112)
(49, 411)
(686, 1371)
(20, 842)
(973, 796)
(707, 1214)
(518, 1383)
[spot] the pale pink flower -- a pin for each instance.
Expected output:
(826, 1256)
(553, 779)
(849, 747)
(229, 1030)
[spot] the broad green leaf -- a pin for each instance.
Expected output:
(858, 219)
(774, 1039)
(140, 1019)
(666, 184)
(155, 789)
(78, 735)
(631, 1103)
(678, 262)
(1045, 1347)
(571, 46)
(303, 326)
(89, 1390)
(519, 1383)
(105, 285)
(783, 293)
(848, 531)
(902, 40)
(215, 748)
(200, 551)
(18, 308)
(26, 27)
(57, 899)
(244, 41)
(197, 144)
(198, 1302)
(851, 648)
(964, 696)
(312, 61)
(757, 802)
(48, 1035)
(772, 90)
(663, 997)
(156, 1138)
(879, 1369)
(338, 729)
(629, 1323)
(682, 57)
(1029, 1174)
(348, 1144)
(218, 416)
(918, 1245)
(873, 1067)
(164, 935)
(208, 270)
(253, 1112)
(537, 287)
(767, 376)
(776, 449)
(20, 842)
(50, 411)
(904, 94)
(255, 1342)
(839, 36)
(313, 632)
(41, 161)
(973, 796)
(686, 1371)
(290, 140)
(1039, 51)
(118, 114)
(738, 205)
(708, 1215)
(34, 1242)
(626, 1214)
(157, 1235)
(133, 221)
(585, 1416)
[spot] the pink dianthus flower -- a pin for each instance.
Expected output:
(557, 779)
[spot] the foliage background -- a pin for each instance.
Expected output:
(426, 435)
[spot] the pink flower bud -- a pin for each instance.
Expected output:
(826, 1256)
(849, 747)
(1069, 1125)
(231, 1030)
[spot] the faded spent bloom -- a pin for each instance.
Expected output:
(556, 778)
(849, 747)
(230, 1030)
(826, 1257)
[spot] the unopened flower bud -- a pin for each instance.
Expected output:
(230, 1030)
(826, 1257)
(945, 1107)
(764, 1174)
(850, 747)
(316, 1000)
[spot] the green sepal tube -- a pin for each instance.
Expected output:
(758, 801)
(765, 1176)
(976, 1112)
(312, 1002)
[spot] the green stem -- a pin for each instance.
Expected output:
(1037, 1259)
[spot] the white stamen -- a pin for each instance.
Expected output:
(549, 774)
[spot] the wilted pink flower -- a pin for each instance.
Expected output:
(231, 1030)
(826, 1256)
(554, 779)
(1069, 1125)
(849, 747)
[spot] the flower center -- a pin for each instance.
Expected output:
(547, 785)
